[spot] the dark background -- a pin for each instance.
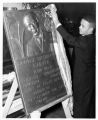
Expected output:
(69, 15)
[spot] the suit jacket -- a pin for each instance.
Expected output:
(84, 59)
(32, 47)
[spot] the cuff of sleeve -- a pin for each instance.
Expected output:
(59, 24)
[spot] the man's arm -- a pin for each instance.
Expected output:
(66, 36)
(71, 40)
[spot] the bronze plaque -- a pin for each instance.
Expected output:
(30, 39)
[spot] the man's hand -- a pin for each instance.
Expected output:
(51, 7)
(53, 14)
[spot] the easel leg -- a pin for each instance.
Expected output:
(35, 114)
(10, 98)
(66, 108)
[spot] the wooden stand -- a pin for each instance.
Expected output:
(11, 107)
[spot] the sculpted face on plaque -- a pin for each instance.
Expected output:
(31, 23)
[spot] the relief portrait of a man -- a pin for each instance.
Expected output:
(34, 38)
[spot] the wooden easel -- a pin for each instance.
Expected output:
(9, 106)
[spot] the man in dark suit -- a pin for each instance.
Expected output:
(84, 65)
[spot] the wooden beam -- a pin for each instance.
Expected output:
(66, 108)
(16, 106)
(10, 98)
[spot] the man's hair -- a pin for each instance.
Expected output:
(91, 20)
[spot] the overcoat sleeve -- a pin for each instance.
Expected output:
(69, 38)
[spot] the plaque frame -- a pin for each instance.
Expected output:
(45, 106)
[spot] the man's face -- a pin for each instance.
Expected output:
(84, 27)
(30, 25)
